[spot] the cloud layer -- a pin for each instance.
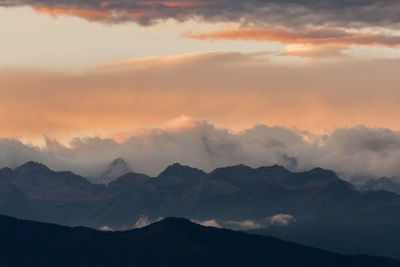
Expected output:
(232, 90)
(317, 22)
(122, 109)
(319, 36)
(348, 151)
(352, 13)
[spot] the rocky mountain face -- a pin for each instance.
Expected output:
(114, 170)
(169, 242)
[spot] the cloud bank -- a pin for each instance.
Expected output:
(119, 110)
(354, 13)
(314, 21)
(232, 90)
(348, 151)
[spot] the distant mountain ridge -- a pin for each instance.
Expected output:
(229, 193)
(382, 183)
(235, 195)
(170, 242)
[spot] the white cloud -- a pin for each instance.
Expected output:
(275, 220)
(212, 223)
(144, 221)
(106, 228)
(244, 225)
(281, 219)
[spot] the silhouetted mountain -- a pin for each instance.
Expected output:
(232, 194)
(39, 182)
(178, 170)
(34, 191)
(170, 242)
(381, 184)
(116, 169)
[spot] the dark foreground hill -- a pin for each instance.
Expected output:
(341, 236)
(170, 242)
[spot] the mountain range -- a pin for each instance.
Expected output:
(383, 183)
(238, 197)
(169, 242)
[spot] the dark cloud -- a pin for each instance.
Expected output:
(354, 13)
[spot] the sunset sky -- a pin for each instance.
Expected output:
(117, 69)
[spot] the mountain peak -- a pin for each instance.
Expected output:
(117, 168)
(176, 165)
(178, 169)
(32, 166)
(241, 167)
(118, 161)
(173, 224)
(323, 173)
(175, 220)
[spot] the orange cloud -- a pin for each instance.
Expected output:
(324, 36)
(230, 89)
(88, 14)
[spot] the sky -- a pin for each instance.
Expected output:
(77, 76)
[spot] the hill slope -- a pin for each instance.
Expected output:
(170, 242)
